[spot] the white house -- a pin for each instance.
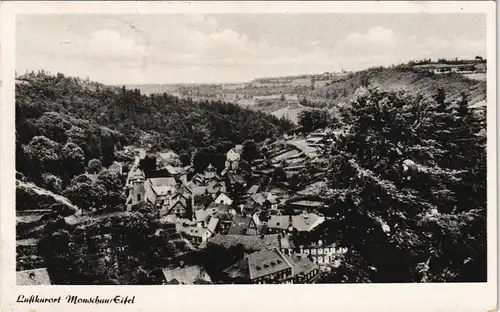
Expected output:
(197, 235)
(159, 191)
(210, 172)
(223, 199)
(233, 157)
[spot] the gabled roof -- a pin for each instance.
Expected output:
(253, 190)
(196, 231)
(301, 265)
(33, 277)
(302, 222)
(272, 198)
(116, 166)
(135, 174)
(195, 189)
(198, 176)
(173, 170)
(265, 262)
(204, 214)
(211, 167)
(161, 185)
(236, 178)
(180, 202)
(224, 197)
(212, 225)
(186, 275)
(216, 186)
(239, 225)
(259, 198)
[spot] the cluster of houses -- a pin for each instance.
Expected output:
(206, 209)
(278, 228)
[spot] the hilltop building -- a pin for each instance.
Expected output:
(233, 157)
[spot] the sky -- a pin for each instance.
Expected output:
(225, 48)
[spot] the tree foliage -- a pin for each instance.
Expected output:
(408, 185)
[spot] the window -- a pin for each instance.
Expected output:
(327, 259)
(313, 251)
(138, 197)
(306, 251)
(320, 251)
(320, 259)
(326, 251)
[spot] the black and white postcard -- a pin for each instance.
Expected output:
(253, 156)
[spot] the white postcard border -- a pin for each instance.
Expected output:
(343, 297)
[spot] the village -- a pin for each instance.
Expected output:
(226, 209)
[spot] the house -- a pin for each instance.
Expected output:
(196, 235)
(253, 190)
(223, 199)
(203, 201)
(181, 207)
(303, 270)
(216, 187)
(33, 277)
(236, 179)
(318, 252)
(173, 171)
(261, 267)
(202, 216)
(116, 167)
(210, 172)
(168, 158)
(233, 157)
(272, 267)
(272, 201)
(159, 191)
(304, 222)
(213, 225)
(241, 225)
(259, 199)
(185, 275)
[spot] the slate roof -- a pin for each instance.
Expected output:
(161, 185)
(212, 224)
(204, 214)
(216, 186)
(265, 262)
(33, 277)
(301, 265)
(239, 225)
(302, 222)
(253, 190)
(236, 178)
(195, 189)
(249, 242)
(259, 198)
(186, 275)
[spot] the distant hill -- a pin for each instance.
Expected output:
(290, 112)
(410, 80)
